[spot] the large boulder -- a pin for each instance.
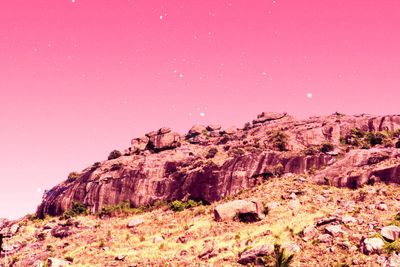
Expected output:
(139, 144)
(242, 210)
(164, 141)
(197, 129)
(391, 232)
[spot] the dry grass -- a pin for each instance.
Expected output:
(97, 242)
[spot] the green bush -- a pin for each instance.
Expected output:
(389, 248)
(280, 139)
(77, 208)
(327, 147)
(72, 177)
(177, 205)
(375, 138)
(114, 154)
(122, 209)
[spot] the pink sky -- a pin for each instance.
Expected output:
(79, 79)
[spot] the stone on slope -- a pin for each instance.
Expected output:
(242, 210)
(55, 262)
(335, 230)
(372, 245)
(309, 233)
(250, 256)
(135, 222)
(391, 232)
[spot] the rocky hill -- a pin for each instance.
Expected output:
(324, 190)
(209, 163)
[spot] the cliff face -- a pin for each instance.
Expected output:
(209, 163)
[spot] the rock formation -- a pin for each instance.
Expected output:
(338, 150)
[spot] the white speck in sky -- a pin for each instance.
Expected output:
(309, 95)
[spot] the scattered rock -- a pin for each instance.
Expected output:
(61, 231)
(243, 210)
(382, 206)
(292, 248)
(135, 222)
(325, 238)
(326, 220)
(372, 245)
(309, 233)
(208, 251)
(55, 262)
(14, 229)
(213, 127)
(250, 256)
(394, 260)
(158, 239)
(273, 205)
(391, 232)
(334, 230)
(120, 257)
(348, 219)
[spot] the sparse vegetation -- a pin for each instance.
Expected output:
(114, 154)
(77, 209)
(177, 205)
(211, 153)
(123, 209)
(72, 177)
(327, 147)
(280, 139)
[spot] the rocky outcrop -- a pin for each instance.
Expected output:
(164, 165)
(363, 166)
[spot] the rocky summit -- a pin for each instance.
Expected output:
(322, 191)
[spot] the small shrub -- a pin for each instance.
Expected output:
(177, 205)
(236, 152)
(114, 154)
(69, 258)
(72, 177)
(327, 147)
(77, 208)
(309, 151)
(279, 139)
(375, 138)
(397, 144)
(389, 248)
(279, 169)
(122, 209)
(116, 167)
(211, 153)
(95, 166)
(281, 258)
(102, 243)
